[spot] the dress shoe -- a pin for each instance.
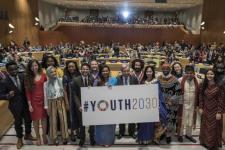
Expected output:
(45, 139)
(134, 136)
(155, 142)
(65, 142)
(119, 136)
(29, 137)
(81, 143)
(168, 140)
(72, 138)
(92, 142)
(55, 142)
(162, 137)
(180, 139)
(19, 143)
(191, 138)
(78, 134)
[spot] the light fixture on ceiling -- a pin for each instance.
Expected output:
(203, 22)
(37, 19)
(203, 28)
(11, 31)
(36, 24)
(11, 26)
(223, 32)
(125, 14)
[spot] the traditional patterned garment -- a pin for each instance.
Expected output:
(211, 129)
(172, 92)
(190, 91)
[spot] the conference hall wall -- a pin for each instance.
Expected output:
(113, 34)
(214, 17)
(20, 13)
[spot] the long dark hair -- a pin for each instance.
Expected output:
(45, 59)
(173, 72)
(153, 74)
(66, 71)
(206, 82)
(29, 78)
(100, 72)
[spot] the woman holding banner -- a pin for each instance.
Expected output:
(105, 134)
(151, 132)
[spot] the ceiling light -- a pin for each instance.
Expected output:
(203, 28)
(11, 26)
(36, 18)
(10, 31)
(125, 14)
(36, 23)
(223, 32)
(203, 22)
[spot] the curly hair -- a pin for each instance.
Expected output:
(66, 71)
(29, 77)
(45, 60)
(137, 60)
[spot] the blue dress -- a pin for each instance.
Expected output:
(146, 130)
(105, 134)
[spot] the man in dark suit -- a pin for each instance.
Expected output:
(84, 80)
(12, 89)
(126, 79)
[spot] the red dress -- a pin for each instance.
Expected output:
(36, 97)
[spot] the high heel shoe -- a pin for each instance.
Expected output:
(38, 142)
(45, 139)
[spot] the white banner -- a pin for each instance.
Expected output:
(120, 104)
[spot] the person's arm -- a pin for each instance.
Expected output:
(75, 89)
(177, 97)
(5, 93)
(45, 96)
(220, 104)
(66, 98)
(201, 100)
(29, 98)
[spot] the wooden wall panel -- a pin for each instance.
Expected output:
(122, 35)
(214, 17)
(51, 37)
(21, 14)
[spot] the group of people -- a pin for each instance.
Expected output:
(205, 53)
(47, 95)
(119, 19)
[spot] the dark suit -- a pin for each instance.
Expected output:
(76, 85)
(17, 105)
(131, 127)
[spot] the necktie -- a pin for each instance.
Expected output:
(85, 82)
(17, 82)
(126, 82)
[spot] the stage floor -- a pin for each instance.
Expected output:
(8, 142)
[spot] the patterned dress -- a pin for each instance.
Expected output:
(211, 129)
(172, 92)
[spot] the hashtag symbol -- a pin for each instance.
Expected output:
(85, 106)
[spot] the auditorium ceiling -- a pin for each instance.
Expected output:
(171, 5)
